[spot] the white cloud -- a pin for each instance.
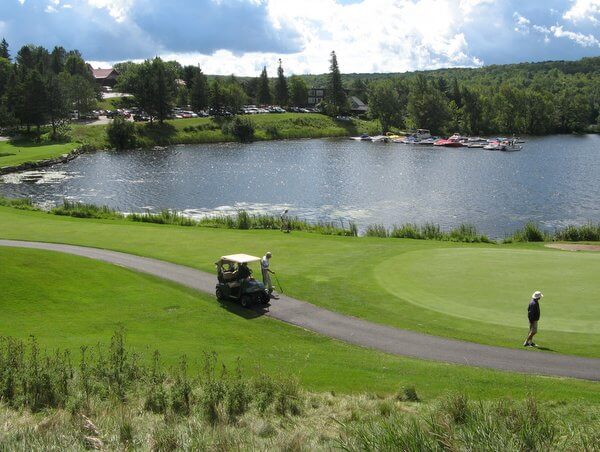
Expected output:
(584, 10)
(521, 23)
(118, 9)
(581, 39)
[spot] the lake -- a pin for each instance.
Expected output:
(554, 181)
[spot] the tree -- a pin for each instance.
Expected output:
(216, 96)
(298, 91)
(4, 53)
(32, 110)
(427, 106)
(335, 96)
(384, 104)
(153, 86)
(264, 91)
(281, 88)
(57, 59)
(57, 102)
(359, 89)
(199, 91)
(234, 97)
(80, 91)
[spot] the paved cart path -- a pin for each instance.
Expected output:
(351, 329)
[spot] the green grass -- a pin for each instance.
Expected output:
(67, 301)
(353, 275)
(16, 152)
(487, 285)
(207, 130)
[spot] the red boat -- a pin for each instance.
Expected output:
(450, 142)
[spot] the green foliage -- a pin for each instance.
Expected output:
(427, 106)
(589, 232)
(199, 92)
(17, 203)
(531, 232)
(264, 96)
(120, 134)
(281, 87)
(336, 99)
(385, 104)
(153, 86)
(298, 91)
(241, 128)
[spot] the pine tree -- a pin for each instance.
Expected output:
(281, 88)
(336, 97)
(4, 53)
(199, 92)
(264, 91)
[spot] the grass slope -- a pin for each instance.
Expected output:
(339, 273)
(207, 130)
(68, 301)
(16, 152)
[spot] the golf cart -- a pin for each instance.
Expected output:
(236, 282)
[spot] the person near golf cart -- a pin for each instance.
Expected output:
(266, 271)
(235, 280)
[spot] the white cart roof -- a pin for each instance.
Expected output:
(240, 258)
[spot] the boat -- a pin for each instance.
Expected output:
(363, 137)
(505, 146)
(422, 134)
(380, 139)
(426, 141)
(448, 142)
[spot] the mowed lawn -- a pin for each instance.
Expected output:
(373, 278)
(17, 152)
(69, 301)
(488, 285)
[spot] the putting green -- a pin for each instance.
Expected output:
(494, 286)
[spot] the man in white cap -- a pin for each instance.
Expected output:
(266, 271)
(533, 312)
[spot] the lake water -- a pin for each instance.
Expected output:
(553, 181)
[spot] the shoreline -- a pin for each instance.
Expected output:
(39, 164)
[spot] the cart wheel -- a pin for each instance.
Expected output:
(245, 301)
(219, 293)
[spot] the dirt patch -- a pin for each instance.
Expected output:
(574, 247)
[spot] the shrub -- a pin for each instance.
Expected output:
(241, 128)
(529, 233)
(243, 220)
(121, 133)
(588, 232)
(376, 230)
(408, 394)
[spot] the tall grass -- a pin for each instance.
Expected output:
(17, 203)
(455, 423)
(531, 232)
(111, 398)
(589, 232)
(430, 231)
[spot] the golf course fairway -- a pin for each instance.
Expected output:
(368, 277)
(68, 301)
(487, 285)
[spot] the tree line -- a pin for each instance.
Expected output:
(524, 99)
(39, 87)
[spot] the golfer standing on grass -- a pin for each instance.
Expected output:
(266, 271)
(533, 312)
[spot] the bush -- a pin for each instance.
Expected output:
(241, 128)
(121, 134)
(529, 233)
(376, 230)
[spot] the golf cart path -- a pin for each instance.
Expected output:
(351, 329)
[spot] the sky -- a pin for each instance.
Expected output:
(242, 36)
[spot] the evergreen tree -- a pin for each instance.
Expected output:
(216, 98)
(281, 88)
(359, 89)
(57, 59)
(199, 91)
(264, 91)
(335, 96)
(32, 111)
(4, 53)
